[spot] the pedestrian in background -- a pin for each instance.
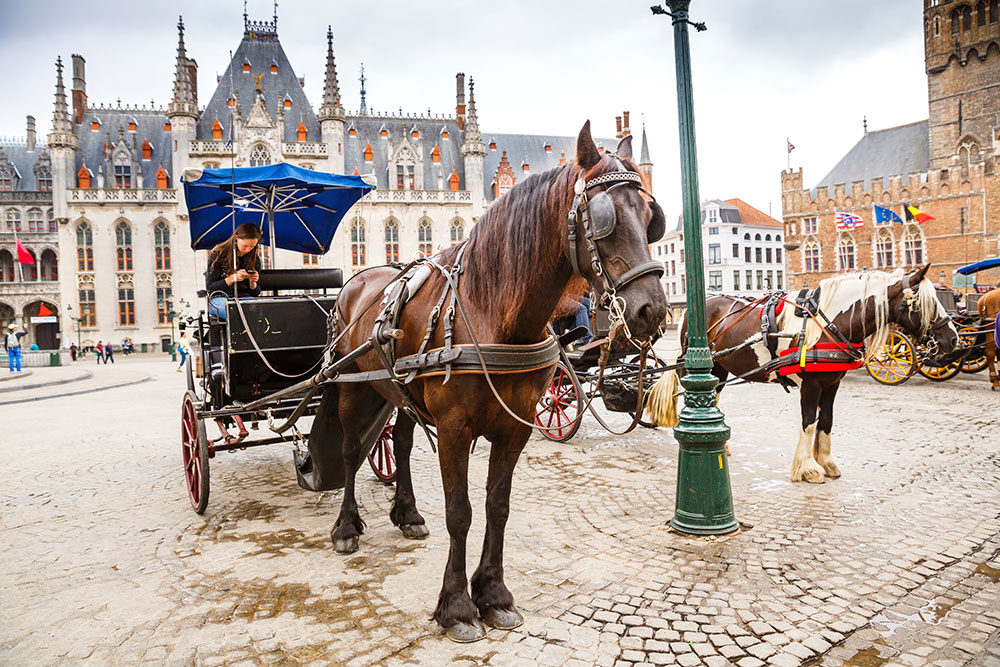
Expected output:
(109, 353)
(184, 348)
(12, 342)
(72, 351)
(100, 351)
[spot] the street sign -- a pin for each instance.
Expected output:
(43, 319)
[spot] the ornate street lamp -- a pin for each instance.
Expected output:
(79, 345)
(704, 503)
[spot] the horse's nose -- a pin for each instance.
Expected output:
(648, 319)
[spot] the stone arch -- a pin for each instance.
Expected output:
(43, 334)
(359, 242)
(456, 230)
(914, 244)
(847, 250)
(866, 200)
(7, 316)
(390, 229)
(425, 237)
(8, 272)
(883, 249)
(122, 229)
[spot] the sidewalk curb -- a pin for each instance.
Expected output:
(15, 376)
(79, 392)
(77, 378)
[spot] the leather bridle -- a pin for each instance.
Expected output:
(912, 301)
(596, 216)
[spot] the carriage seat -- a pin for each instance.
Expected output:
(273, 280)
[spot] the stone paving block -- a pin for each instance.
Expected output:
(716, 661)
(762, 650)
(732, 651)
(688, 660)
(703, 648)
(662, 658)
(750, 661)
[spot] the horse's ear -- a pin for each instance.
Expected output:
(624, 149)
(920, 274)
(657, 224)
(587, 154)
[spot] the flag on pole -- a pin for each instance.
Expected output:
(848, 221)
(790, 146)
(914, 213)
(23, 256)
(884, 216)
(43, 310)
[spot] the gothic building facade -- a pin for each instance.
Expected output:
(116, 219)
(946, 166)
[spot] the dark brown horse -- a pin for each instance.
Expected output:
(989, 308)
(861, 306)
(517, 264)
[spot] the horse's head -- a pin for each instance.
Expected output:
(611, 225)
(914, 306)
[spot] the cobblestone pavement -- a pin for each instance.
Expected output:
(898, 562)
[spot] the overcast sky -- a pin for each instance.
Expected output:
(765, 69)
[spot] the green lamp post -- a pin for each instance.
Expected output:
(79, 345)
(704, 503)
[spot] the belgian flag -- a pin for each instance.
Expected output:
(914, 213)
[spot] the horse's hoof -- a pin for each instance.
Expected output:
(832, 472)
(814, 480)
(464, 633)
(346, 545)
(503, 619)
(415, 531)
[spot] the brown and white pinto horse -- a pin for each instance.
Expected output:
(862, 307)
(517, 265)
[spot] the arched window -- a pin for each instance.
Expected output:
(937, 26)
(778, 238)
(810, 256)
(457, 231)
(883, 249)
(126, 306)
(369, 153)
(161, 246)
(391, 241)
(756, 237)
(956, 21)
(13, 220)
(84, 247)
(358, 245)
(767, 238)
(31, 270)
(453, 181)
(301, 132)
(746, 237)
(846, 248)
(49, 265)
(123, 171)
(50, 216)
(981, 13)
(6, 267)
(259, 156)
(36, 223)
(966, 17)
(425, 246)
(44, 180)
(994, 11)
(162, 179)
(217, 130)
(123, 246)
(913, 246)
(147, 150)
(6, 179)
(83, 178)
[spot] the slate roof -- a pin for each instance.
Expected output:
(23, 161)
(748, 215)
(883, 153)
(369, 131)
(530, 149)
(260, 52)
(96, 145)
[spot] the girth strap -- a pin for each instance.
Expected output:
(499, 358)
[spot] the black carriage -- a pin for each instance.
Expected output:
(266, 344)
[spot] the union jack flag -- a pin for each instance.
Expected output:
(848, 221)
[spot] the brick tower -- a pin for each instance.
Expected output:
(962, 57)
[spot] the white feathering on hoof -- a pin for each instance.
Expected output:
(661, 406)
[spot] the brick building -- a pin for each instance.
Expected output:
(947, 166)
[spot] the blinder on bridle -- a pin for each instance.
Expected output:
(911, 301)
(598, 219)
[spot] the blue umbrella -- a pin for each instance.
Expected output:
(296, 209)
(991, 263)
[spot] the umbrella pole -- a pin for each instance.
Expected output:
(270, 222)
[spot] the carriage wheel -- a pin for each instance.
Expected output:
(381, 458)
(559, 406)
(940, 373)
(968, 336)
(194, 452)
(895, 362)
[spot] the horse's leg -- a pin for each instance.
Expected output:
(991, 357)
(404, 504)
(824, 426)
(804, 466)
(349, 526)
(494, 601)
(455, 610)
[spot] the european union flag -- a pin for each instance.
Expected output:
(883, 216)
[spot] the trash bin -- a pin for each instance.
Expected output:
(54, 359)
(143, 348)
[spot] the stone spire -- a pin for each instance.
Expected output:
(184, 103)
(644, 155)
(331, 108)
(471, 123)
(645, 163)
(62, 128)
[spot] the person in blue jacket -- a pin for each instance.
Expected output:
(12, 342)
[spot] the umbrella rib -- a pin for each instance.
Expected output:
(318, 244)
(206, 232)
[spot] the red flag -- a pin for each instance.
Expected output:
(43, 311)
(23, 256)
(914, 213)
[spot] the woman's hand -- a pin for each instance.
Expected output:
(241, 275)
(253, 277)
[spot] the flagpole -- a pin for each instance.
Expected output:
(788, 154)
(17, 248)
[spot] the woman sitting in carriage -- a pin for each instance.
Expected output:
(232, 268)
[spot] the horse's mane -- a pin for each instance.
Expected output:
(512, 241)
(874, 284)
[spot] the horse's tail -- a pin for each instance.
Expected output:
(662, 403)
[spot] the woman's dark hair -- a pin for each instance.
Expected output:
(223, 253)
